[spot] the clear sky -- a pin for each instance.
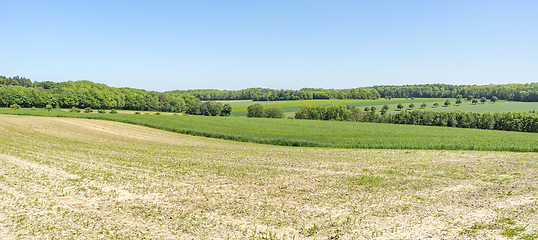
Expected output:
(167, 45)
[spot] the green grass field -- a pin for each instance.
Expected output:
(330, 134)
(290, 107)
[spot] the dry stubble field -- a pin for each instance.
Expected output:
(80, 178)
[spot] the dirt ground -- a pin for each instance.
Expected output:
(84, 179)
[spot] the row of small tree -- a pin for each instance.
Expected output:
(208, 108)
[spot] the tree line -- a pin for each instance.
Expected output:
(507, 121)
(513, 92)
(83, 94)
(266, 94)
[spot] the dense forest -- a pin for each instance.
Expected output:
(513, 92)
(83, 94)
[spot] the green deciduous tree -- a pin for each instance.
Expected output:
(274, 112)
(256, 110)
(483, 100)
(411, 105)
(423, 105)
(226, 110)
(400, 106)
(447, 103)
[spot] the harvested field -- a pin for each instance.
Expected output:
(83, 178)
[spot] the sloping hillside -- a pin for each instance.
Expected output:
(82, 178)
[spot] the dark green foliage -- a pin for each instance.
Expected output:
(458, 102)
(88, 110)
(74, 109)
(423, 105)
(411, 105)
(34, 109)
(256, 111)
(333, 112)
(483, 100)
(474, 101)
(400, 106)
(136, 112)
(83, 94)
(508, 121)
(101, 111)
(157, 113)
(113, 111)
(208, 108)
(512, 92)
(274, 112)
(226, 110)
(436, 104)
(447, 103)
(494, 99)
(48, 107)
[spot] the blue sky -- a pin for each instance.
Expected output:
(166, 45)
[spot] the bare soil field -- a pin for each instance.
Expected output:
(86, 179)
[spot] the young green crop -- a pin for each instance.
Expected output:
(329, 134)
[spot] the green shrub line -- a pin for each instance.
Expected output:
(323, 134)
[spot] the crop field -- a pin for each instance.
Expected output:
(66, 178)
(290, 107)
(332, 134)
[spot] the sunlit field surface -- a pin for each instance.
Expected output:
(77, 178)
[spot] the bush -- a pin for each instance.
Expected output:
(136, 112)
(157, 113)
(33, 109)
(113, 111)
(75, 110)
(15, 106)
(49, 107)
(88, 110)
(101, 111)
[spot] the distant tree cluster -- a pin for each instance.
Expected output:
(512, 92)
(258, 111)
(508, 121)
(334, 112)
(208, 108)
(84, 94)
(265, 94)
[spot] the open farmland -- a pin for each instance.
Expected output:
(332, 134)
(84, 178)
(290, 107)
